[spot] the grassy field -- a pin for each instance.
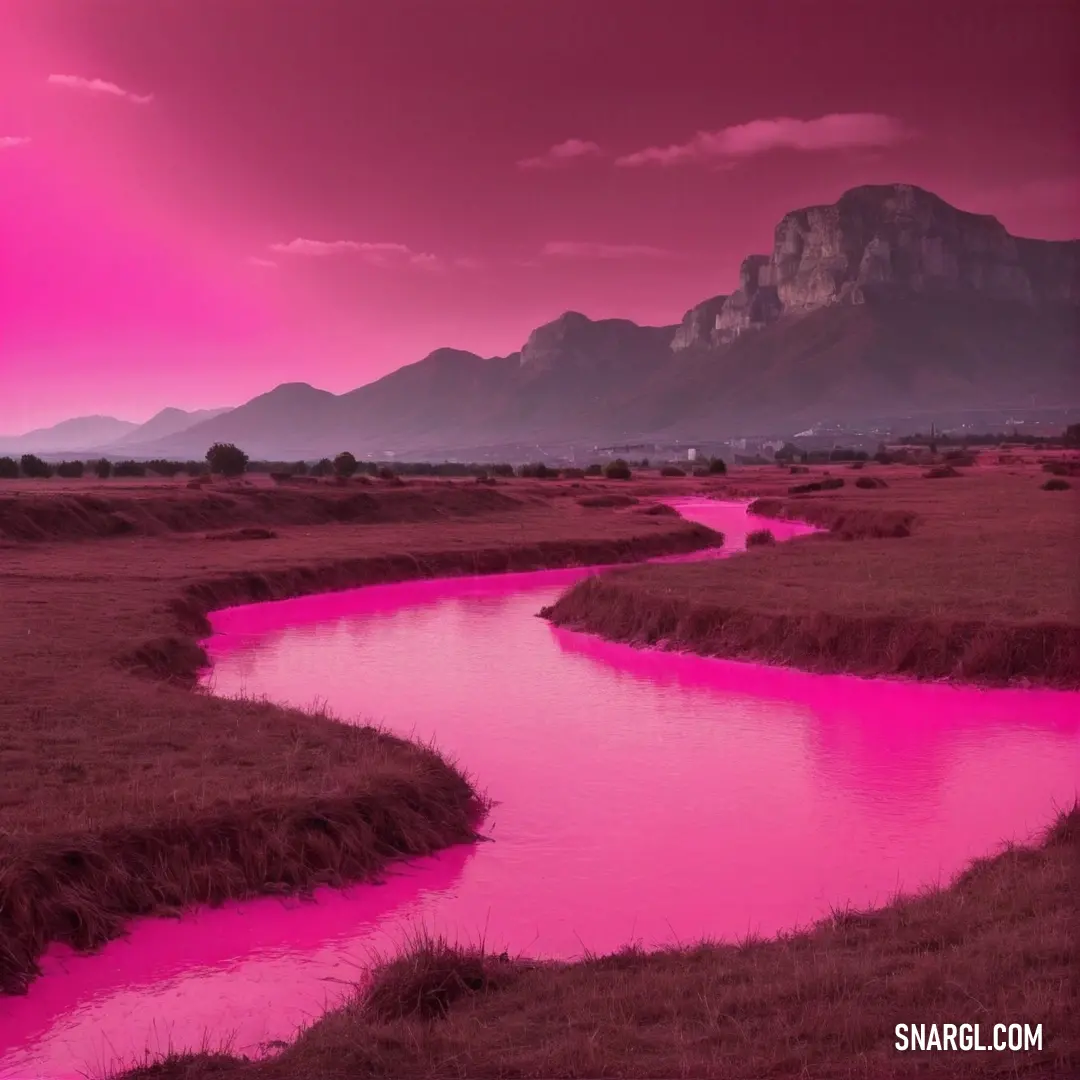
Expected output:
(973, 577)
(112, 758)
(126, 793)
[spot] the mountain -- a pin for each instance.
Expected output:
(887, 302)
(161, 425)
(78, 433)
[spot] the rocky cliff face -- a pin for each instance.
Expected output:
(893, 239)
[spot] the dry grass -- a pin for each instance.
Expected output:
(985, 588)
(998, 945)
(125, 795)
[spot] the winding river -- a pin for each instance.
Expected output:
(641, 796)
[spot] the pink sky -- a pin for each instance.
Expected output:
(201, 200)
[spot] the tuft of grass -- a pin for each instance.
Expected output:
(940, 472)
(760, 538)
(429, 975)
(1056, 483)
(607, 502)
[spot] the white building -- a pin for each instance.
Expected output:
(691, 454)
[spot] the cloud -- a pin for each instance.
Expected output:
(377, 254)
(468, 262)
(99, 86)
(587, 249)
(300, 246)
(9, 142)
(836, 131)
(561, 154)
(258, 260)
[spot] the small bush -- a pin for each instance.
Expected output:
(804, 489)
(129, 468)
(322, 467)
(718, 467)
(672, 470)
(760, 538)
(226, 459)
(870, 482)
(940, 472)
(1056, 484)
(502, 469)
(345, 465)
(33, 467)
(573, 474)
(600, 502)
(700, 470)
(537, 470)
(960, 457)
(832, 483)
(165, 468)
(9, 468)
(103, 468)
(70, 470)
(659, 510)
(617, 470)
(594, 470)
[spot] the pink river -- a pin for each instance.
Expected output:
(641, 796)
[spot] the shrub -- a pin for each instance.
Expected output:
(617, 470)
(760, 538)
(960, 457)
(718, 467)
(659, 510)
(700, 470)
(32, 466)
(1072, 435)
(345, 465)
(129, 468)
(70, 470)
(386, 473)
(162, 467)
(502, 469)
(940, 472)
(226, 459)
(538, 471)
(322, 467)
(9, 468)
(594, 470)
(1056, 484)
(601, 502)
(831, 483)
(870, 482)
(573, 474)
(103, 468)
(798, 469)
(672, 470)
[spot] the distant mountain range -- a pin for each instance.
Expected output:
(889, 301)
(104, 434)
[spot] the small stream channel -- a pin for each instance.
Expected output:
(641, 796)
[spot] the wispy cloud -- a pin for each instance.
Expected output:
(587, 249)
(99, 86)
(9, 142)
(836, 131)
(377, 254)
(562, 154)
(258, 260)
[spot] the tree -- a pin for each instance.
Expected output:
(345, 465)
(32, 466)
(226, 459)
(9, 468)
(786, 452)
(103, 468)
(322, 467)
(617, 470)
(70, 470)
(1072, 435)
(717, 467)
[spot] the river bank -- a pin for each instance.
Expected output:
(997, 945)
(970, 578)
(127, 794)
